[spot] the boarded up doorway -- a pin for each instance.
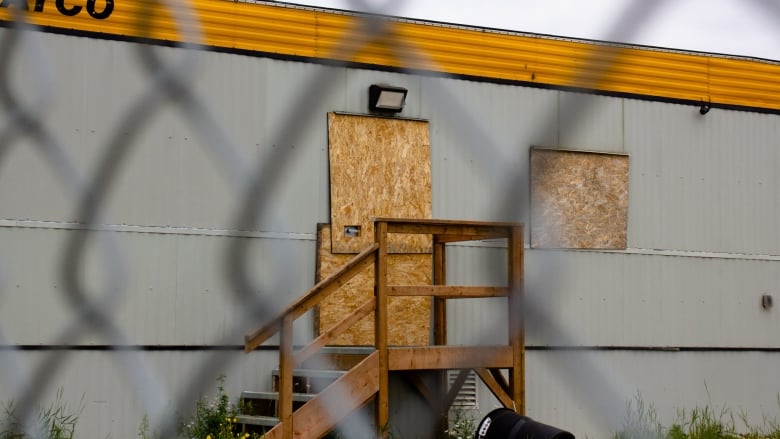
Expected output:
(379, 167)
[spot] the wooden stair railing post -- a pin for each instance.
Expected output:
(286, 376)
(440, 324)
(380, 327)
(515, 318)
(439, 304)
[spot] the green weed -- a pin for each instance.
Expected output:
(215, 419)
(57, 421)
(698, 423)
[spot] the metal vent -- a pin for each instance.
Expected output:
(467, 396)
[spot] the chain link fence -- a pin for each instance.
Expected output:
(170, 86)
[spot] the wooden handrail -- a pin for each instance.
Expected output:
(313, 297)
(448, 230)
(334, 331)
(447, 291)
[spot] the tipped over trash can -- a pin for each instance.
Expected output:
(506, 424)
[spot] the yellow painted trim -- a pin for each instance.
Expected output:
(293, 31)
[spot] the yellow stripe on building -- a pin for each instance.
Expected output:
(328, 35)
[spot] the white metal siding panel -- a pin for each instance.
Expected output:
(114, 406)
(651, 300)
(172, 177)
(588, 393)
(176, 294)
(618, 299)
(480, 137)
(589, 122)
(30, 187)
(559, 388)
(33, 308)
(296, 124)
(476, 321)
(702, 183)
(79, 120)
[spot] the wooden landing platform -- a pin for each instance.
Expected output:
(449, 357)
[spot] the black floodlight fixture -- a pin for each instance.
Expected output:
(386, 98)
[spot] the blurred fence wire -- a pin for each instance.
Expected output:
(170, 86)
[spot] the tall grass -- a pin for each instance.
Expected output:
(57, 421)
(642, 422)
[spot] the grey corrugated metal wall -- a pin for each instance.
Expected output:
(702, 238)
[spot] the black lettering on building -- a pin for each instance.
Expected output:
(68, 11)
(102, 14)
(65, 11)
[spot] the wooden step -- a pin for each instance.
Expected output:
(267, 403)
(314, 373)
(250, 394)
(337, 357)
(262, 421)
(308, 380)
(353, 390)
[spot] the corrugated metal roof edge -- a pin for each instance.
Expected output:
(500, 31)
(326, 61)
(766, 108)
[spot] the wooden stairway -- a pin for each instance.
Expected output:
(368, 380)
(260, 409)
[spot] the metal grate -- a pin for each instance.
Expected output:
(467, 397)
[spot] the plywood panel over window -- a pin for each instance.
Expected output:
(578, 199)
(409, 317)
(379, 167)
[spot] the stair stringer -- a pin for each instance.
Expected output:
(345, 395)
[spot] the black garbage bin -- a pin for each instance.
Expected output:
(506, 424)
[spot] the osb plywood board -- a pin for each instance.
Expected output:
(379, 167)
(578, 199)
(409, 317)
